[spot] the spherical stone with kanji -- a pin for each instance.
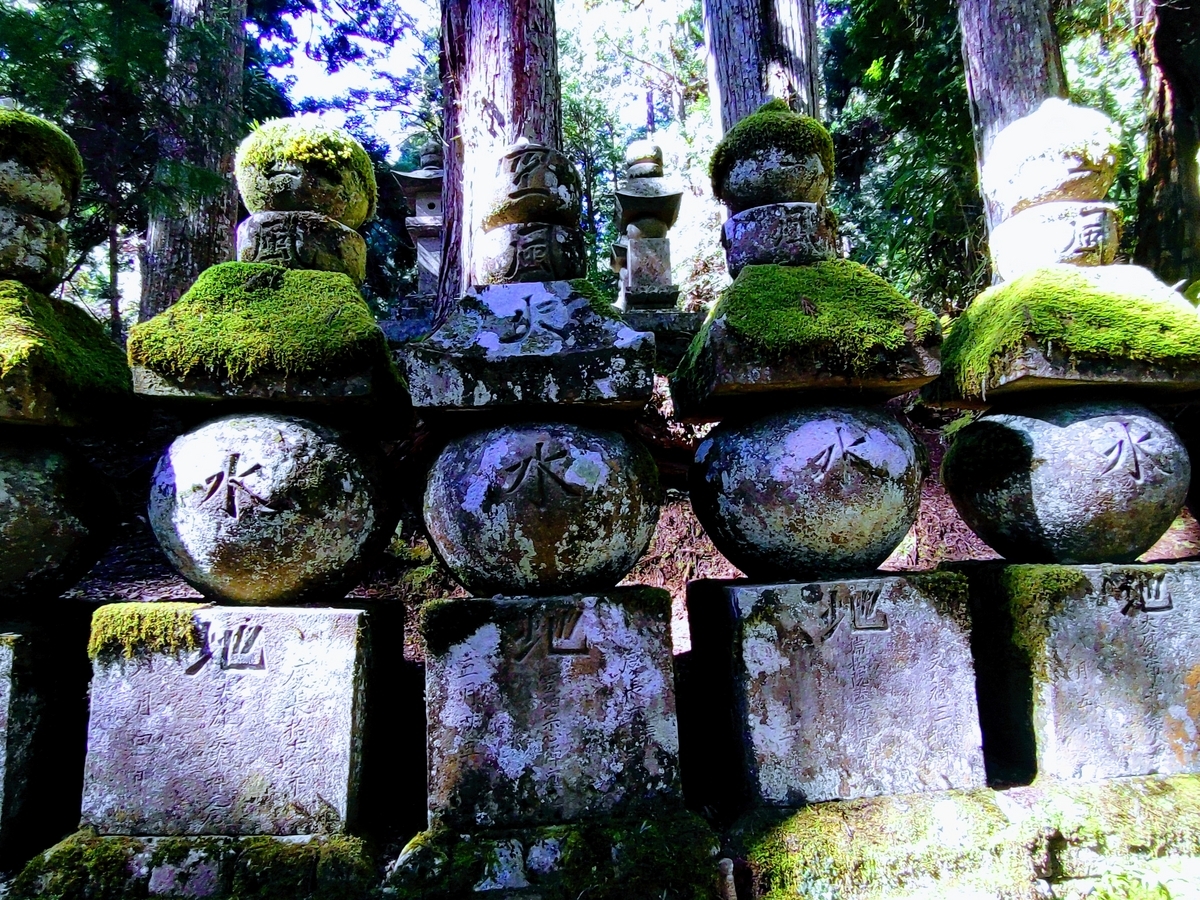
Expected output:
(266, 509)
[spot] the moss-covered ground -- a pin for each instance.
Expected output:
(241, 320)
(35, 142)
(61, 346)
(772, 126)
(1063, 311)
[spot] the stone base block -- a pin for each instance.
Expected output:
(201, 868)
(548, 710)
(790, 234)
(665, 856)
(224, 721)
(840, 689)
(313, 389)
(1082, 234)
(531, 251)
(33, 250)
(1088, 672)
(1050, 841)
(534, 345)
(673, 331)
(302, 240)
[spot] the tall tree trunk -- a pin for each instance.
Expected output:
(1013, 63)
(204, 91)
(1168, 227)
(499, 81)
(759, 49)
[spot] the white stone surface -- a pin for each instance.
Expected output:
(1063, 231)
(258, 732)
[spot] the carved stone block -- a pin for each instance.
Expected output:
(256, 732)
(33, 250)
(649, 263)
(426, 233)
(529, 345)
(842, 689)
(534, 183)
(1092, 671)
(302, 240)
(532, 251)
(1082, 234)
(788, 234)
(550, 709)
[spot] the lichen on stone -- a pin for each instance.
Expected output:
(772, 125)
(1064, 310)
(241, 320)
(61, 345)
(84, 866)
(35, 142)
(1034, 592)
(126, 630)
(837, 310)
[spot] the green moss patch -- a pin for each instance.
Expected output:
(596, 298)
(772, 126)
(837, 311)
(129, 629)
(334, 868)
(241, 320)
(85, 866)
(1065, 312)
(36, 143)
(60, 345)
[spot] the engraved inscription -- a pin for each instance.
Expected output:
(228, 486)
(235, 648)
(536, 472)
(825, 616)
(552, 634)
(837, 455)
(828, 607)
(1138, 592)
(276, 242)
(865, 613)
(1127, 451)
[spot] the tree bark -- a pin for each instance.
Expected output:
(205, 61)
(1013, 64)
(500, 81)
(760, 49)
(1168, 226)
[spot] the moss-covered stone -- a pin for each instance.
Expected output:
(978, 843)
(244, 320)
(596, 298)
(672, 857)
(772, 127)
(300, 164)
(1034, 593)
(335, 868)
(39, 144)
(1069, 314)
(48, 345)
(85, 866)
(130, 629)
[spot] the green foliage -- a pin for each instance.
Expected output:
(1058, 307)
(125, 630)
(1127, 886)
(59, 344)
(772, 126)
(240, 320)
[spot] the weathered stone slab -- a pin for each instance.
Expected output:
(426, 232)
(530, 345)
(33, 250)
(531, 251)
(789, 234)
(649, 263)
(247, 722)
(671, 855)
(673, 331)
(302, 240)
(845, 689)
(315, 388)
(547, 710)
(1073, 232)
(1098, 664)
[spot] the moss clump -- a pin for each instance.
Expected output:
(241, 320)
(308, 145)
(1066, 312)
(333, 868)
(85, 866)
(596, 298)
(836, 311)
(129, 629)
(1035, 592)
(60, 345)
(773, 125)
(35, 142)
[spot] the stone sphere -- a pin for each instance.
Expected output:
(1069, 482)
(541, 508)
(50, 530)
(303, 165)
(807, 492)
(265, 509)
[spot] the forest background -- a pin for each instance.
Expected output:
(894, 96)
